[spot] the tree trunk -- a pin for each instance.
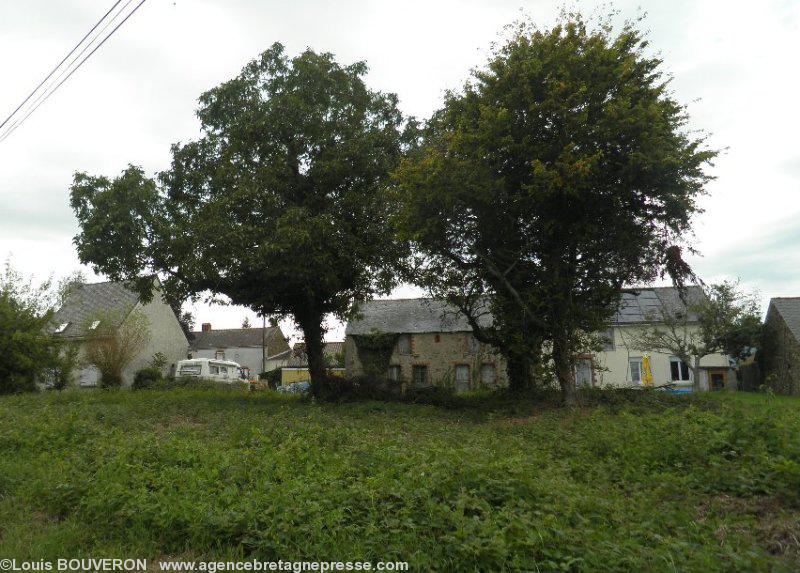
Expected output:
(562, 363)
(696, 375)
(519, 372)
(313, 332)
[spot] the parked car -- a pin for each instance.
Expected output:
(211, 369)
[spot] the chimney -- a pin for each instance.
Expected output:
(206, 327)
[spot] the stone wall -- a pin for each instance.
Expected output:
(779, 358)
(441, 353)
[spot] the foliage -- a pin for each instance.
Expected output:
(720, 318)
(26, 351)
(278, 206)
(147, 378)
(563, 170)
(246, 322)
(643, 481)
(114, 343)
(67, 285)
(374, 352)
(273, 377)
(159, 361)
(66, 364)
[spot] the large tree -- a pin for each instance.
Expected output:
(278, 205)
(562, 171)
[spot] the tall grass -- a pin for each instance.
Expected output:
(627, 483)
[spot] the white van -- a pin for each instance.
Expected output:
(210, 369)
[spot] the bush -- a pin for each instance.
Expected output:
(272, 378)
(147, 378)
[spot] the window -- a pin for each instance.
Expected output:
(61, 327)
(583, 373)
(394, 373)
(224, 371)
(679, 370)
(190, 369)
(636, 370)
(488, 375)
(213, 368)
(608, 340)
(404, 344)
(462, 377)
(94, 325)
(420, 376)
(219, 355)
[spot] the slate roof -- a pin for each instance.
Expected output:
(232, 338)
(298, 359)
(409, 315)
(647, 304)
(93, 300)
(789, 310)
(420, 315)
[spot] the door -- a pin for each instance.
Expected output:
(462, 378)
(717, 379)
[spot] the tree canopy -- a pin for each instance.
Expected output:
(560, 172)
(278, 205)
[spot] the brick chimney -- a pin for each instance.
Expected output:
(206, 327)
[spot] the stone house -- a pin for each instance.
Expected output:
(259, 349)
(88, 304)
(433, 345)
(779, 358)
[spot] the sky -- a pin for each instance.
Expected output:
(734, 63)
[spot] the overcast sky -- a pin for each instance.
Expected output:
(734, 62)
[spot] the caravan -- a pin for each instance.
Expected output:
(210, 369)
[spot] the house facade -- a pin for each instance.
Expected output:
(779, 358)
(434, 345)
(88, 304)
(259, 349)
(431, 345)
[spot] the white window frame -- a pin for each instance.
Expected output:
(94, 325)
(637, 360)
(681, 363)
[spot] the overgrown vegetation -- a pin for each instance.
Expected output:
(663, 483)
(26, 351)
(113, 342)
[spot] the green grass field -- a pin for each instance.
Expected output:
(704, 484)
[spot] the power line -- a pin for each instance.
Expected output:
(66, 69)
(30, 95)
(75, 69)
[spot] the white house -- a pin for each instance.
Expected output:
(621, 361)
(86, 303)
(259, 349)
